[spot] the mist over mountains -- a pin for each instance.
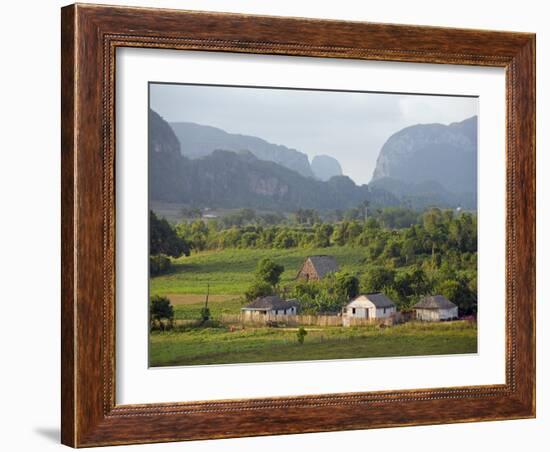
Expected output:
(200, 141)
(232, 179)
(325, 167)
(205, 166)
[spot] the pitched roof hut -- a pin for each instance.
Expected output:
(370, 306)
(435, 308)
(317, 267)
(272, 304)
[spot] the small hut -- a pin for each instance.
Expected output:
(435, 308)
(270, 305)
(315, 268)
(369, 306)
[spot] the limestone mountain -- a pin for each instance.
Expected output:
(200, 141)
(231, 179)
(168, 174)
(445, 155)
(324, 167)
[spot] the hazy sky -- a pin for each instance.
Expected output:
(352, 127)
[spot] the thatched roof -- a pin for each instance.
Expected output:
(434, 302)
(324, 264)
(378, 299)
(270, 302)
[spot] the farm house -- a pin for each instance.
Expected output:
(317, 267)
(369, 306)
(270, 305)
(435, 308)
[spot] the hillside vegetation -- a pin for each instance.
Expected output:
(437, 254)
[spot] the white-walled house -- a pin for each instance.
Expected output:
(435, 308)
(369, 306)
(270, 305)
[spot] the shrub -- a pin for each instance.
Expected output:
(159, 264)
(161, 309)
(301, 335)
(205, 314)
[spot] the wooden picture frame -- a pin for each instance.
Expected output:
(90, 36)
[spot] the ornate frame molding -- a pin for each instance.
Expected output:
(90, 37)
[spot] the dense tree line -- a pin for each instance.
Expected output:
(394, 234)
(407, 254)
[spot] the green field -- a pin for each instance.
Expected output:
(191, 311)
(230, 271)
(222, 345)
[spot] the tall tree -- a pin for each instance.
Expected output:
(163, 238)
(269, 272)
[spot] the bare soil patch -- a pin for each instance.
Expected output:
(198, 298)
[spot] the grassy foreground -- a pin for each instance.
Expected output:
(197, 346)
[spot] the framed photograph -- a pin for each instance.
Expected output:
(281, 225)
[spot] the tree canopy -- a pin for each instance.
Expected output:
(407, 254)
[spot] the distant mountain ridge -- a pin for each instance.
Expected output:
(231, 179)
(200, 141)
(418, 167)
